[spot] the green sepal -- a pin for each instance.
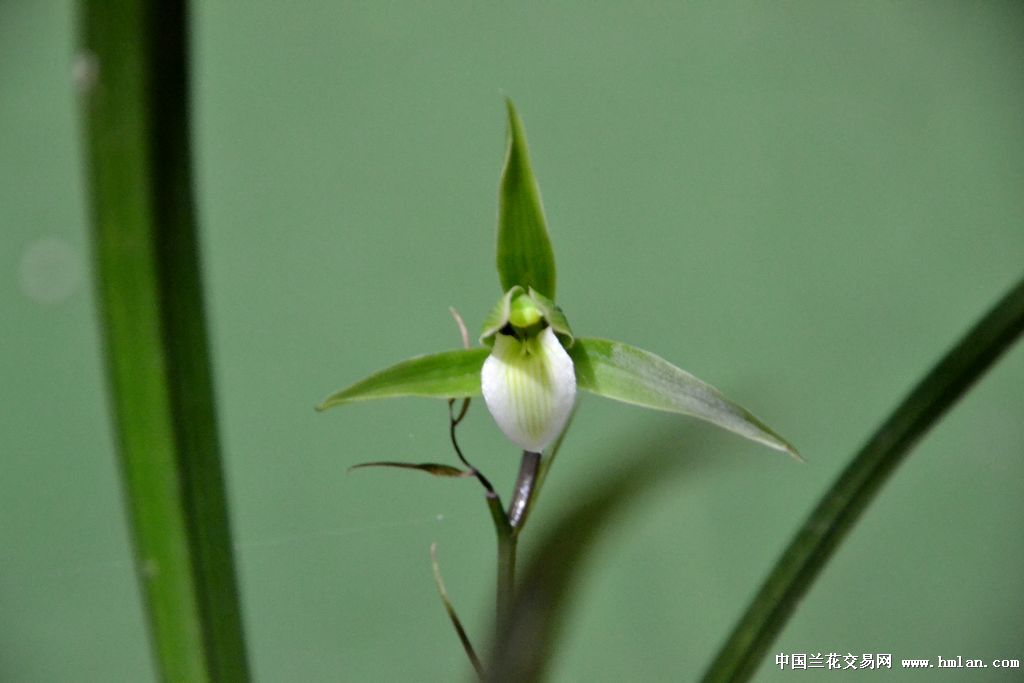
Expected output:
(498, 317)
(525, 257)
(451, 374)
(625, 373)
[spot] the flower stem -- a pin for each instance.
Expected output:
(507, 527)
(526, 487)
(506, 557)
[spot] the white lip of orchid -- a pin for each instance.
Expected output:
(529, 387)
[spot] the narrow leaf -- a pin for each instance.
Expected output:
(429, 467)
(848, 498)
(146, 250)
(452, 374)
(525, 257)
(625, 373)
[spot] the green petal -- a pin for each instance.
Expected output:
(626, 373)
(498, 316)
(553, 314)
(452, 374)
(525, 257)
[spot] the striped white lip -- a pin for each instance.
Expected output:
(530, 387)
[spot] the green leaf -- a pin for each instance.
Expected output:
(149, 290)
(626, 373)
(433, 468)
(525, 257)
(452, 374)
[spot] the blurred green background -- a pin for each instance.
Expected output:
(802, 203)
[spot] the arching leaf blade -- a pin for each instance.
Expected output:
(625, 373)
(525, 256)
(839, 510)
(146, 245)
(451, 374)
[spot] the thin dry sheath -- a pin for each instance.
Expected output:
(453, 420)
(456, 622)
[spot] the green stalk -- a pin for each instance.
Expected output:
(507, 527)
(857, 486)
(507, 542)
(133, 79)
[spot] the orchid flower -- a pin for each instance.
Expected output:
(531, 364)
